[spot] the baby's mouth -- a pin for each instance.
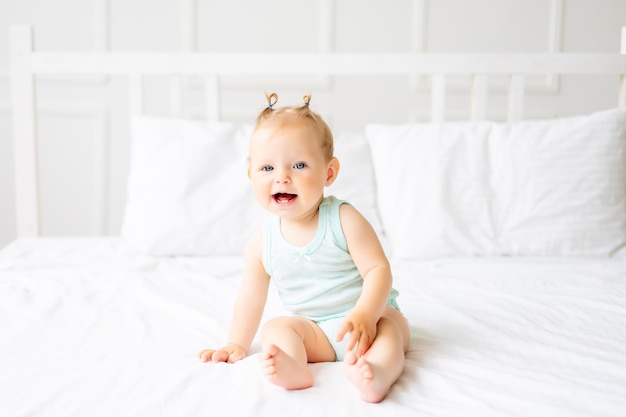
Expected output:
(282, 198)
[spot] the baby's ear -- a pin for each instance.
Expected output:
(333, 171)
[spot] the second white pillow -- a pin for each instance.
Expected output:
(532, 188)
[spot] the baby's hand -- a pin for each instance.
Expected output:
(229, 353)
(362, 329)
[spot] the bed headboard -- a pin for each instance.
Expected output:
(26, 64)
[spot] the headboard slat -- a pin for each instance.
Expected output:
(94, 63)
(212, 97)
(621, 101)
(24, 133)
(478, 98)
(135, 94)
(516, 98)
(176, 96)
(438, 98)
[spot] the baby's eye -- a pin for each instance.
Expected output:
(267, 168)
(299, 165)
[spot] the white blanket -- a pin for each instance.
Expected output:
(88, 328)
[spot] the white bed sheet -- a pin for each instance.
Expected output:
(88, 328)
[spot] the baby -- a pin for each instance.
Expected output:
(326, 261)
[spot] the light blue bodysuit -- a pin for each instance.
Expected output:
(320, 280)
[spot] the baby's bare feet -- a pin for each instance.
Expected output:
(284, 371)
(372, 385)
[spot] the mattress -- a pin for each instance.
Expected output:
(90, 328)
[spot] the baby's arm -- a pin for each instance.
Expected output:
(248, 307)
(373, 265)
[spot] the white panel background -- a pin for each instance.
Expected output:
(82, 127)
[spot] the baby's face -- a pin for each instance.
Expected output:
(289, 170)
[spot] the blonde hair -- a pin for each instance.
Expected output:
(295, 115)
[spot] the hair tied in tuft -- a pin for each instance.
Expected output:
(272, 99)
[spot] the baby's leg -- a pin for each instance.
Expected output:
(374, 373)
(288, 344)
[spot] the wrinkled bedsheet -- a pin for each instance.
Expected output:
(90, 328)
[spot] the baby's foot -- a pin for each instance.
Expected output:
(368, 380)
(284, 371)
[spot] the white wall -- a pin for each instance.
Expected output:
(82, 124)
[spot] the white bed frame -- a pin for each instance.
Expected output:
(26, 64)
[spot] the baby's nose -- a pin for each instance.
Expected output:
(282, 177)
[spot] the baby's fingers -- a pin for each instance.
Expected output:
(236, 356)
(355, 336)
(346, 327)
(205, 354)
(364, 344)
(220, 356)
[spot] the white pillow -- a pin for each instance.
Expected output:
(356, 183)
(533, 188)
(188, 190)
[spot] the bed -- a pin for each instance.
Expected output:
(507, 242)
